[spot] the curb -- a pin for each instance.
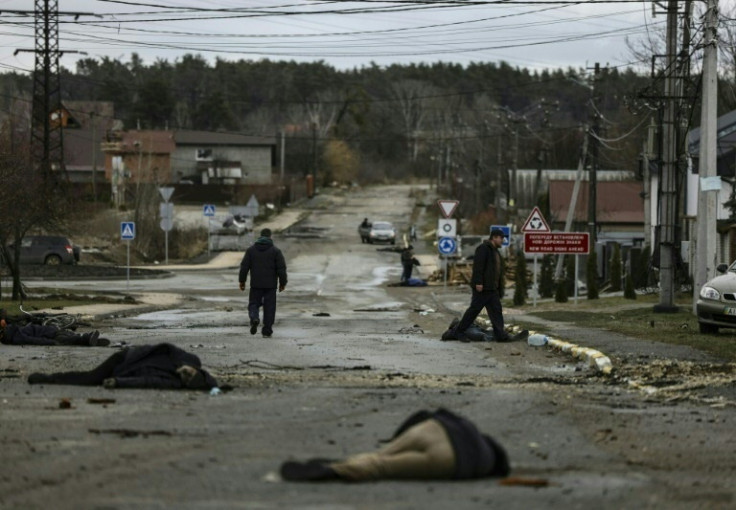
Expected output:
(594, 358)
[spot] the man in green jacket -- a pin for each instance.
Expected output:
(487, 287)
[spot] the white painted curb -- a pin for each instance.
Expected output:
(595, 359)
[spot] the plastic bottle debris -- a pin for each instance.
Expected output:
(537, 340)
(215, 391)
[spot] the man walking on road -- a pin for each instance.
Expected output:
(487, 287)
(267, 269)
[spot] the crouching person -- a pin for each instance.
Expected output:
(162, 366)
(427, 446)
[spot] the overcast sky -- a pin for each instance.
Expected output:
(538, 34)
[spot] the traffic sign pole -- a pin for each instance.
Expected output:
(534, 286)
(127, 270)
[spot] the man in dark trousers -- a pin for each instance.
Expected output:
(408, 261)
(267, 269)
(487, 283)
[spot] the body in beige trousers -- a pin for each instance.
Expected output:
(423, 451)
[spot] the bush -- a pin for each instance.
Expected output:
(570, 276)
(520, 293)
(629, 292)
(561, 291)
(592, 275)
(615, 279)
(546, 280)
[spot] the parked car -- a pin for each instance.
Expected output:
(51, 250)
(382, 232)
(716, 306)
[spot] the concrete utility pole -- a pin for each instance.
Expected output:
(573, 201)
(593, 180)
(668, 180)
(705, 261)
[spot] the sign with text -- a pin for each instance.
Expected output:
(558, 243)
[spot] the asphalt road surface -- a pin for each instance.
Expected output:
(350, 358)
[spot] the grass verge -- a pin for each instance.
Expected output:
(637, 319)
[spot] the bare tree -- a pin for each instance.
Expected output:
(413, 98)
(29, 198)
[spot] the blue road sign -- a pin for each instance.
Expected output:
(127, 230)
(506, 230)
(209, 209)
(447, 245)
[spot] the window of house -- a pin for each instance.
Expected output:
(204, 154)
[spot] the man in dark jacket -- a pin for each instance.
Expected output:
(162, 366)
(487, 284)
(408, 261)
(267, 269)
(428, 445)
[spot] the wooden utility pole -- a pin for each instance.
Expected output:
(705, 252)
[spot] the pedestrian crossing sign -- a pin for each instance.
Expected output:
(209, 210)
(127, 230)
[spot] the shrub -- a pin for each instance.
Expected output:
(592, 275)
(616, 268)
(629, 292)
(520, 292)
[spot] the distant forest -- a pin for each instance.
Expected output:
(375, 123)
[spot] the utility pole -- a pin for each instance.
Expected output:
(705, 261)
(46, 134)
(668, 179)
(47, 147)
(94, 157)
(594, 132)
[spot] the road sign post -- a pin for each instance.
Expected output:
(127, 233)
(167, 216)
(208, 211)
(446, 246)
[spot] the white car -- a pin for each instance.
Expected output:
(382, 232)
(716, 306)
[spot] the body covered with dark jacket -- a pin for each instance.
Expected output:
(143, 366)
(37, 334)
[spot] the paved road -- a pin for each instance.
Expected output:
(349, 360)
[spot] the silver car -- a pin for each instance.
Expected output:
(716, 306)
(382, 232)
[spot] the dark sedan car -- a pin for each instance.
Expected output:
(51, 250)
